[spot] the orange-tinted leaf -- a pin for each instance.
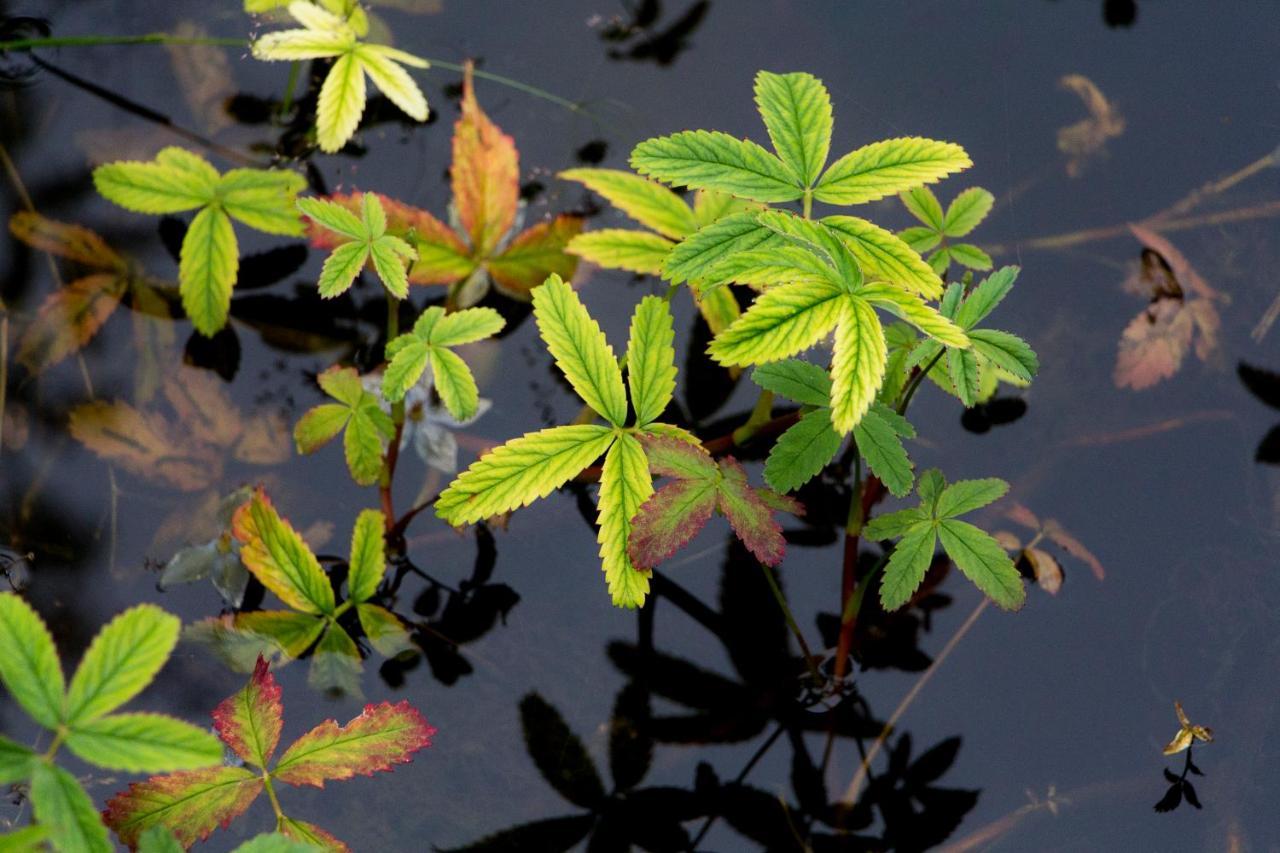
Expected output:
(750, 517)
(250, 721)
(538, 252)
(1047, 570)
(272, 549)
(440, 262)
(204, 408)
(486, 174)
(68, 319)
(669, 519)
(143, 443)
(192, 803)
(1153, 345)
(383, 736)
(1088, 137)
(1182, 269)
(73, 242)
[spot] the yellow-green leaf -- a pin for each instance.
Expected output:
(625, 484)
(580, 349)
(207, 270)
(887, 167)
(29, 665)
(368, 560)
(617, 248)
(144, 743)
(521, 471)
(783, 321)
(59, 804)
(705, 159)
(341, 103)
(651, 357)
(647, 202)
(454, 383)
(797, 112)
(152, 187)
(277, 556)
(122, 659)
(881, 254)
(857, 364)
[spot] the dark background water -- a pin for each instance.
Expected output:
(1074, 694)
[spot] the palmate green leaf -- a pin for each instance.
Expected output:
(796, 380)
(908, 565)
(152, 187)
(625, 484)
(819, 241)
(911, 308)
(263, 199)
(857, 364)
(15, 762)
(143, 743)
(381, 737)
(962, 369)
(410, 356)
(122, 659)
(468, 326)
(984, 562)
(891, 166)
(389, 255)
(802, 451)
(651, 359)
(521, 471)
(782, 322)
(969, 255)
(207, 268)
(647, 202)
(924, 205)
(190, 803)
(882, 255)
(277, 556)
(368, 558)
(367, 426)
(29, 666)
(335, 217)
(694, 258)
(797, 112)
(879, 435)
(921, 240)
(341, 103)
(580, 349)
(455, 384)
(894, 524)
(966, 211)
(1008, 352)
(985, 296)
(764, 268)
(59, 804)
(968, 495)
(705, 159)
(379, 62)
(618, 248)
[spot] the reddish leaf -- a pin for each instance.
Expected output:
(68, 319)
(249, 722)
(669, 519)
(535, 254)
(382, 736)
(485, 174)
(1182, 269)
(750, 517)
(74, 242)
(671, 457)
(192, 803)
(1153, 345)
(780, 502)
(1021, 515)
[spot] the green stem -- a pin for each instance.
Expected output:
(914, 383)
(275, 801)
(791, 623)
(58, 737)
(760, 415)
(808, 204)
(286, 103)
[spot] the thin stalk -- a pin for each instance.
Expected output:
(286, 103)
(791, 623)
(855, 787)
(849, 567)
(760, 415)
(275, 801)
(397, 417)
(914, 383)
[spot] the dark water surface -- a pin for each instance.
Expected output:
(1068, 701)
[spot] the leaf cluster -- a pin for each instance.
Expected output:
(192, 804)
(178, 180)
(940, 228)
(81, 714)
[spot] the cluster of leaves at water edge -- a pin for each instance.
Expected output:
(123, 659)
(483, 242)
(192, 803)
(178, 180)
(279, 558)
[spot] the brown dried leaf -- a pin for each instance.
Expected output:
(203, 406)
(74, 242)
(144, 444)
(68, 319)
(266, 440)
(1178, 263)
(1087, 137)
(1019, 514)
(1048, 570)
(1074, 547)
(1153, 345)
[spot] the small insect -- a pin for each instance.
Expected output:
(1187, 733)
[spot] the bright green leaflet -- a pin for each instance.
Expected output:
(973, 551)
(179, 180)
(940, 229)
(426, 345)
(369, 242)
(357, 412)
(534, 465)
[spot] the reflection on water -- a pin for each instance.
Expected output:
(697, 723)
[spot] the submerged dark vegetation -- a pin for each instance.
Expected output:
(838, 323)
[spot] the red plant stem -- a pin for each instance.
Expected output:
(869, 494)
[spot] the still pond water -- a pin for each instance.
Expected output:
(1040, 730)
